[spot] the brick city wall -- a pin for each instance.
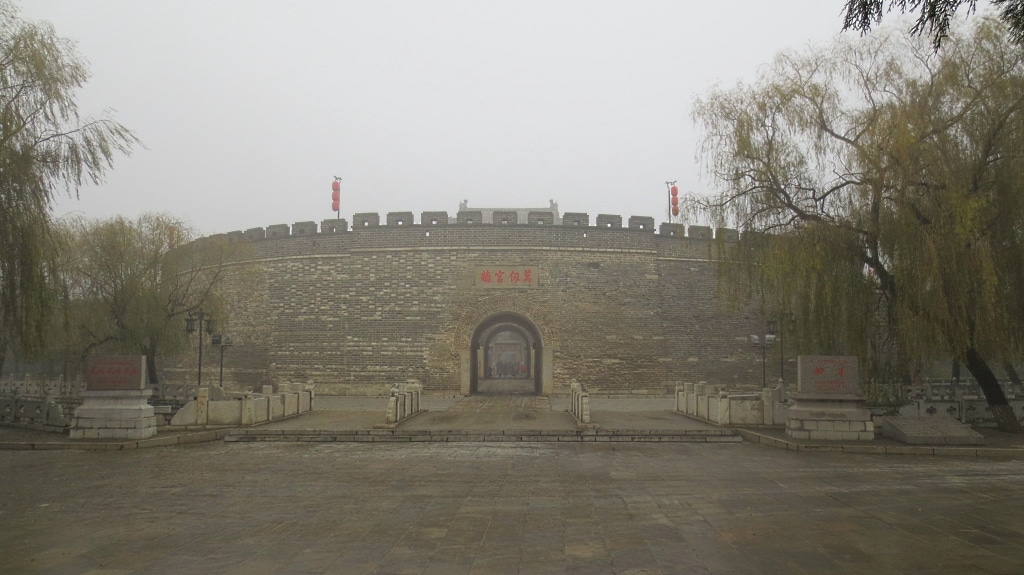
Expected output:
(622, 309)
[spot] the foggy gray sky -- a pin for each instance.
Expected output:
(248, 109)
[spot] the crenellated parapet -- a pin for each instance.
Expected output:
(364, 222)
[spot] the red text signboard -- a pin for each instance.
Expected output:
(828, 374)
(503, 276)
(115, 372)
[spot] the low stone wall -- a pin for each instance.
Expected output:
(403, 403)
(32, 412)
(66, 394)
(712, 403)
(249, 409)
(973, 411)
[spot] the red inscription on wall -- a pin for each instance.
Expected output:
(506, 277)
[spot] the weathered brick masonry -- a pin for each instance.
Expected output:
(622, 310)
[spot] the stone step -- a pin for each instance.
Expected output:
(474, 435)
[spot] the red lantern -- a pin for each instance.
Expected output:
(675, 210)
(675, 192)
(675, 201)
(336, 187)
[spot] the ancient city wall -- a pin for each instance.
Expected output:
(352, 311)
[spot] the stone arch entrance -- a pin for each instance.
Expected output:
(507, 356)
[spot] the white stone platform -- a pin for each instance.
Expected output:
(120, 414)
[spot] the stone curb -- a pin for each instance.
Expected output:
(85, 445)
(478, 435)
(397, 423)
(943, 450)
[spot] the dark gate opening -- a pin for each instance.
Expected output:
(506, 357)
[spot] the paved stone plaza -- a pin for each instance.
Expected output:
(282, 508)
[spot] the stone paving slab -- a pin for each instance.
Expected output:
(662, 420)
(997, 444)
(329, 419)
(495, 413)
(614, 508)
(930, 431)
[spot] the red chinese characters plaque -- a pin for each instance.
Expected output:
(506, 277)
(828, 374)
(115, 372)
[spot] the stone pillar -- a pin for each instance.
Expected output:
(391, 416)
(767, 401)
(203, 406)
(248, 411)
(701, 400)
(533, 361)
(724, 414)
(464, 372)
(546, 372)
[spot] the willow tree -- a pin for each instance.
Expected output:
(881, 185)
(129, 284)
(934, 17)
(46, 148)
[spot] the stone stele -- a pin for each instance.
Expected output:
(115, 401)
(828, 402)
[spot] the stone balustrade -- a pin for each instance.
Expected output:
(579, 405)
(32, 412)
(713, 403)
(248, 409)
(403, 403)
(972, 411)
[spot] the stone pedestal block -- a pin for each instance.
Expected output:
(120, 414)
(834, 417)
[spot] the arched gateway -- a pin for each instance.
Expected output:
(506, 356)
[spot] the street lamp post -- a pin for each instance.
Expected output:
(222, 341)
(769, 338)
(205, 323)
(782, 349)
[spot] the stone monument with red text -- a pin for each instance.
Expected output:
(115, 401)
(828, 402)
